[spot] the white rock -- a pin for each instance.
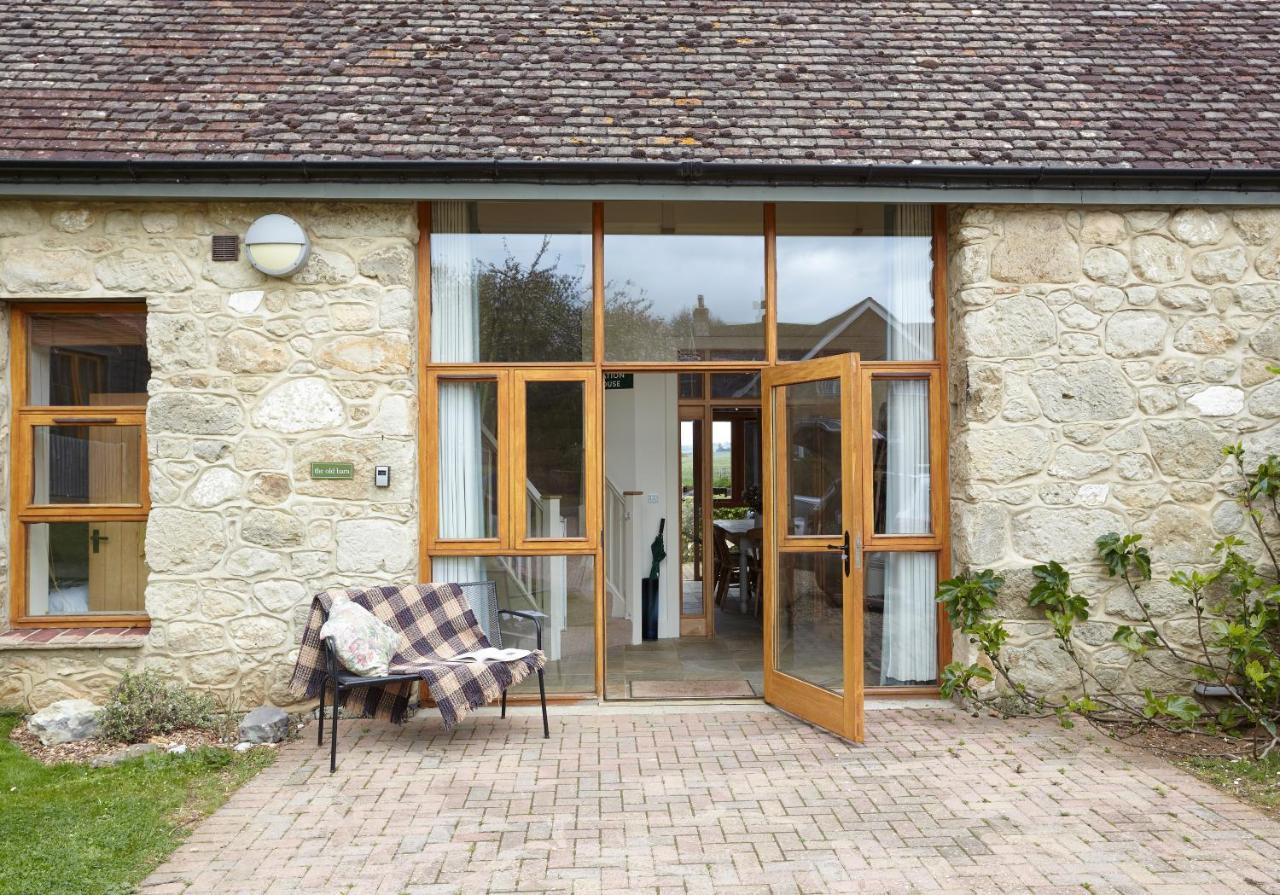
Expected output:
(1093, 495)
(215, 486)
(1157, 259)
(245, 302)
(373, 545)
(66, 721)
(300, 405)
(1218, 400)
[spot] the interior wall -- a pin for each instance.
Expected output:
(642, 441)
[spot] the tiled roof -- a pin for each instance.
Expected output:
(1181, 83)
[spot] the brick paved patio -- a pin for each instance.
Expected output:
(738, 798)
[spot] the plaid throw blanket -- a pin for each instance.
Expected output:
(437, 623)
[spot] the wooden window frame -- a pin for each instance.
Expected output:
(512, 538)
(22, 512)
(935, 369)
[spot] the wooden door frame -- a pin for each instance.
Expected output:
(841, 713)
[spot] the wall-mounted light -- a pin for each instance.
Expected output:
(276, 245)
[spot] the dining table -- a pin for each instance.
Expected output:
(736, 532)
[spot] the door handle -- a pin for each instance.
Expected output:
(844, 551)
(97, 538)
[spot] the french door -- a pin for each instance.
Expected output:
(813, 543)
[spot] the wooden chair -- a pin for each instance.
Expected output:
(752, 546)
(727, 561)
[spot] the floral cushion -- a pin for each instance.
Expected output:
(364, 644)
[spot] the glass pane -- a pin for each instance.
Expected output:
(809, 622)
(900, 619)
(855, 278)
(87, 359)
(555, 455)
(79, 568)
(684, 281)
(691, 385)
(690, 520)
(814, 468)
(85, 464)
(900, 455)
(511, 282)
(735, 385)
(468, 492)
(562, 589)
(721, 459)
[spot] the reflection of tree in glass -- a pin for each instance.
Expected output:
(534, 311)
(634, 332)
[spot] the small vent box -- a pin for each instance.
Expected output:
(226, 248)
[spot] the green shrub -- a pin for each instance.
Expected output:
(145, 704)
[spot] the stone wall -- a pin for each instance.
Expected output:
(1101, 359)
(252, 379)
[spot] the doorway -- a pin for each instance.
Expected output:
(684, 448)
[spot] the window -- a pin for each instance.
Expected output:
(684, 281)
(79, 487)
(511, 282)
(855, 278)
(904, 541)
(511, 457)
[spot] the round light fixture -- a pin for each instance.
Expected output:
(277, 245)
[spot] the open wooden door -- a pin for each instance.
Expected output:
(813, 541)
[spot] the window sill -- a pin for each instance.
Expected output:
(73, 638)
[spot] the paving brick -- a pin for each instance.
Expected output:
(692, 800)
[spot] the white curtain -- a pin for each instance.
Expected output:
(455, 338)
(909, 638)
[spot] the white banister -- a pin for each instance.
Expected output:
(616, 521)
(635, 563)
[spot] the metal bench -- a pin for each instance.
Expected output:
(482, 596)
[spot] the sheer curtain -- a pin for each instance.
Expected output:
(909, 638)
(455, 338)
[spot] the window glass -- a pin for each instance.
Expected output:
(87, 359)
(735, 385)
(511, 282)
(85, 464)
(855, 278)
(562, 589)
(691, 385)
(468, 438)
(900, 456)
(684, 281)
(555, 456)
(900, 619)
(814, 497)
(809, 631)
(85, 567)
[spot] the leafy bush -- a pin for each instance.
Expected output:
(145, 704)
(1236, 657)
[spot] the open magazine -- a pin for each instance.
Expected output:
(490, 654)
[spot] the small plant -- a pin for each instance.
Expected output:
(145, 704)
(1236, 651)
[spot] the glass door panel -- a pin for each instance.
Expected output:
(813, 570)
(554, 452)
(469, 433)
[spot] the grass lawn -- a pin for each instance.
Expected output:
(1257, 782)
(73, 830)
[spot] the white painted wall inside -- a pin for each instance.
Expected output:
(642, 453)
